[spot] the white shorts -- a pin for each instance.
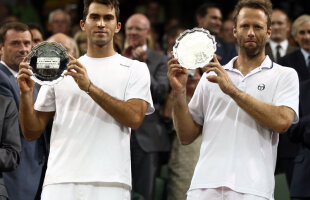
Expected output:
(84, 191)
(221, 193)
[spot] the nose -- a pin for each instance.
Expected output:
(251, 32)
(24, 49)
(100, 23)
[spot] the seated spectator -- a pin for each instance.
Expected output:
(37, 33)
(67, 42)
(59, 22)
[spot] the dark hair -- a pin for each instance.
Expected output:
(113, 3)
(264, 5)
(203, 9)
(36, 26)
(17, 26)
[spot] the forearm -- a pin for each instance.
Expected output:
(30, 123)
(277, 118)
(187, 130)
(127, 113)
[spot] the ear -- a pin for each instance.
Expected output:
(268, 32)
(118, 27)
(235, 32)
(199, 19)
(82, 25)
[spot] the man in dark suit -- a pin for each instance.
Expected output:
(300, 133)
(151, 138)
(209, 16)
(23, 183)
(10, 146)
(278, 46)
(297, 60)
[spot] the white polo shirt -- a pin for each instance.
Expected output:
(87, 144)
(236, 151)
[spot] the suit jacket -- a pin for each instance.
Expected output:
(300, 133)
(10, 146)
(152, 135)
(268, 51)
(287, 149)
(24, 182)
(226, 51)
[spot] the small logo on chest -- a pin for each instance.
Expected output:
(261, 87)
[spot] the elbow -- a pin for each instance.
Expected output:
(284, 126)
(136, 123)
(30, 136)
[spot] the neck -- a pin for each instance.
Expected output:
(96, 51)
(277, 40)
(246, 64)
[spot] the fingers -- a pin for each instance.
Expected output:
(215, 58)
(71, 57)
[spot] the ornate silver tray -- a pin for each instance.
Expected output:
(194, 48)
(49, 62)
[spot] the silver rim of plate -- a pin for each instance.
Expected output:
(194, 48)
(56, 59)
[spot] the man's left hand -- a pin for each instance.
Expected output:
(78, 73)
(221, 77)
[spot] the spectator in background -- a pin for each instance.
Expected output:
(226, 32)
(300, 134)
(37, 33)
(67, 42)
(10, 146)
(25, 182)
(298, 60)
(278, 46)
(171, 35)
(80, 39)
(59, 22)
(151, 137)
(209, 16)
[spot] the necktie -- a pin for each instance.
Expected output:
(278, 55)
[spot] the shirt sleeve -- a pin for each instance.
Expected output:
(46, 99)
(287, 93)
(139, 85)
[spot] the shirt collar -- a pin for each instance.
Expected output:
(267, 64)
(14, 73)
(306, 55)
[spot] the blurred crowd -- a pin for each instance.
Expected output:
(149, 37)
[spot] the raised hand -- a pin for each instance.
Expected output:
(78, 73)
(221, 77)
(25, 83)
(177, 76)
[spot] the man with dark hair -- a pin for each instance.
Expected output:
(23, 183)
(239, 108)
(102, 97)
(37, 33)
(278, 46)
(209, 16)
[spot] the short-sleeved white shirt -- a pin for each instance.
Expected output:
(236, 151)
(88, 144)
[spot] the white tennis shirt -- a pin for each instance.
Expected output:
(87, 144)
(236, 151)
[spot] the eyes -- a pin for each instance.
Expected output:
(255, 27)
(96, 17)
(17, 43)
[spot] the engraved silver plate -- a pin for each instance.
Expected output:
(194, 48)
(49, 62)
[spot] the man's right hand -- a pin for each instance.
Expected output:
(25, 83)
(177, 76)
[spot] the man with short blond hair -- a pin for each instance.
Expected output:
(240, 109)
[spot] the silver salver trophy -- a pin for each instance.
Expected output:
(194, 48)
(49, 62)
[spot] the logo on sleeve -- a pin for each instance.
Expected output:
(261, 87)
